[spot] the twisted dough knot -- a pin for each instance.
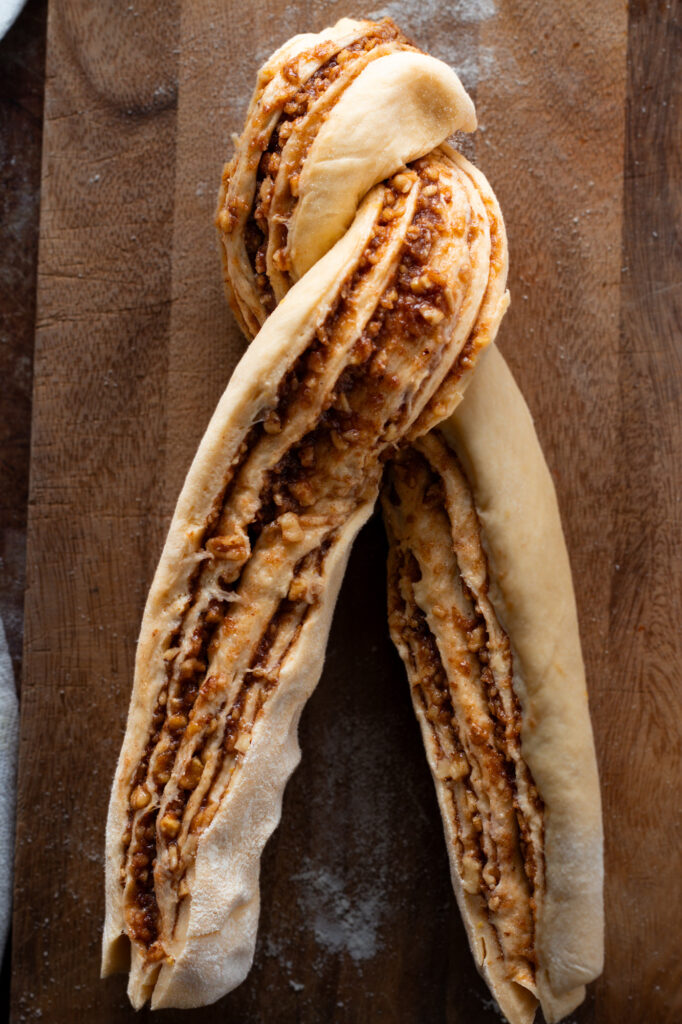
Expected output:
(370, 261)
(367, 260)
(350, 126)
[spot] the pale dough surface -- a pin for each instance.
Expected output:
(493, 435)
(358, 144)
(252, 386)
(215, 949)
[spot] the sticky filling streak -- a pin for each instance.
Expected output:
(460, 669)
(300, 473)
(303, 110)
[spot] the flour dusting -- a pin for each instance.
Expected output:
(345, 909)
(420, 14)
(447, 32)
(341, 924)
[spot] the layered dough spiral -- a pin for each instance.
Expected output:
(459, 664)
(482, 611)
(369, 266)
(360, 352)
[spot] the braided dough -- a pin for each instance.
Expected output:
(358, 352)
(482, 612)
(370, 266)
(536, 931)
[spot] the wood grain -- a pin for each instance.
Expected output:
(640, 715)
(22, 84)
(97, 444)
(133, 347)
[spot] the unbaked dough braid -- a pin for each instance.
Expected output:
(533, 935)
(367, 260)
(481, 609)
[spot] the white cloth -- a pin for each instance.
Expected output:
(9, 738)
(8, 12)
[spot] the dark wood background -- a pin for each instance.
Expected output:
(580, 117)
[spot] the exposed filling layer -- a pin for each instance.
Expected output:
(254, 210)
(302, 470)
(459, 665)
(280, 166)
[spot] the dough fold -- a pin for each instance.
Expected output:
(349, 363)
(481, 609)
(367, 260)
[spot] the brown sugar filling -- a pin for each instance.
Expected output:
(318, 480)
(295, 108)
(153, 836)
(460, 669)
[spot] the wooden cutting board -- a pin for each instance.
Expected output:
(577, 105)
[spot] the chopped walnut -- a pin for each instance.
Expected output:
(139, 798)
(190, 667)
(305, 589)
(303, 492)
(471, 871)
(401, 182)
(272, 423)
(242, 743)
(338, 441)
(176, 723)
(202, 819)
(432, 315)
(280, 259)
(291, 528)
(192, 774)
(169, 826)
(232, 548)
(475, 639)
(342, 403)
(421, 284)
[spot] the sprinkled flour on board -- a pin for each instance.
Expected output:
(419, 14)
(449, 32)
(341, 924)
(359, 856)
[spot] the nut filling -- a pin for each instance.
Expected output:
(459, 665)
(303, 105)
(304, 466)
(292, 101)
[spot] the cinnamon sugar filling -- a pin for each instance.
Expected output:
(459, 665)
(300, 473)
(296, 106)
